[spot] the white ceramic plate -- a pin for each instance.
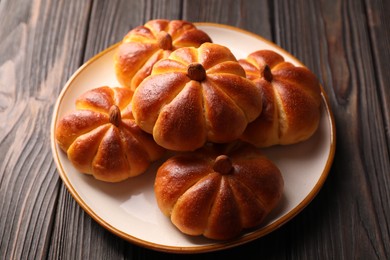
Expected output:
(129, 210)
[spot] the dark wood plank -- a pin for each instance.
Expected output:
(378, 24)
(40, 47)
(253, 16)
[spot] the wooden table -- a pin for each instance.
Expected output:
(345, 43)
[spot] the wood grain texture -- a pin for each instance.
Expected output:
(345, 43)
(378, 27)
(39, 50)
(253, 16)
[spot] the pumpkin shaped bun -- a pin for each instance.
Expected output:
(196, 95)
(291, 100)
(218, 194)
(101, 138)
(145, 45)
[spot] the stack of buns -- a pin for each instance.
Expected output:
(181, 92)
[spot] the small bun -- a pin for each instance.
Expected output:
(218, 194)
(291, 100)
(101, 138)
(195, 96)
(143, 46)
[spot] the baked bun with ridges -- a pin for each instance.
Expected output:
(145, 45)
(196, 95)
(291, 100)
(101, 138)
(218, 194)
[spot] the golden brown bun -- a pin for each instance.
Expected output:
(101, 138)
(196, 95)
(217, 194)
(145, 45)
(291, 100)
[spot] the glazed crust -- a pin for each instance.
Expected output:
(291, 100)
(96, 146)
(143, 46)
(200, 200)
(183, 113)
